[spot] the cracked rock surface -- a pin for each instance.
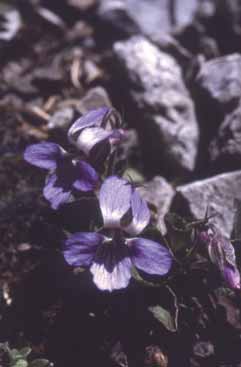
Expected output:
(165, 111)
(212, 194)
(225, 149)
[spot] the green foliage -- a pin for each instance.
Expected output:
(179, 232)
(18, 357)
(168, 317)
(164, 317)
(19, 363)
(136, 275)
(39, 363)
(25, 351)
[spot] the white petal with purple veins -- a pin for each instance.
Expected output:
(89, 137)
(119, 278)
(80, 248)
(140, 215)
(149, 256)
(92, 118)
(115, 198)
(44, 155)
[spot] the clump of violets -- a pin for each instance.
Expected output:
(221, 253)
(119, 245)
(113, 250)
(65, 173)
(97, 132)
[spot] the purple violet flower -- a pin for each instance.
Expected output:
(65, 173)
(222, 254)
(95, 129)
(110, 254)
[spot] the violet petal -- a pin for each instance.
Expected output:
(92, 118)
(80, 248)
(114, 197)
(117, 279)
(117, 136)
(140, 215)
(231, 276)
(55, 193)
(149, 256)
(44, 155)
(222, 254)
(87, 178)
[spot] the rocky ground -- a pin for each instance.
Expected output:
(172, 69)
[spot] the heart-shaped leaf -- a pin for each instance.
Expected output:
(40, 362)
(164, 317)
(169, 319)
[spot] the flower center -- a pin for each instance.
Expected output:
(113, 250)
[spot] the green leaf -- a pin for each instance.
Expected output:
(40, 362)
(224, 292)
(167, 318)
(139, 279)
(133, 175)
(78, 270)
(20, 363)
(15, 355)
(25, 351)
(164, 317)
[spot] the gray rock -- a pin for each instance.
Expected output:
(225, 149)
(129, 148)
(217, 194)
(61, 119)
(91, 72)
(164, 110)
(94, 98)
(167, 43)
(220, 79)
(136, 16)
(151, 18)
(12, 23)
(159, 193)
(51, 74)
(82, 5)
(184, 12)
(206, 9)
(145, 17)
